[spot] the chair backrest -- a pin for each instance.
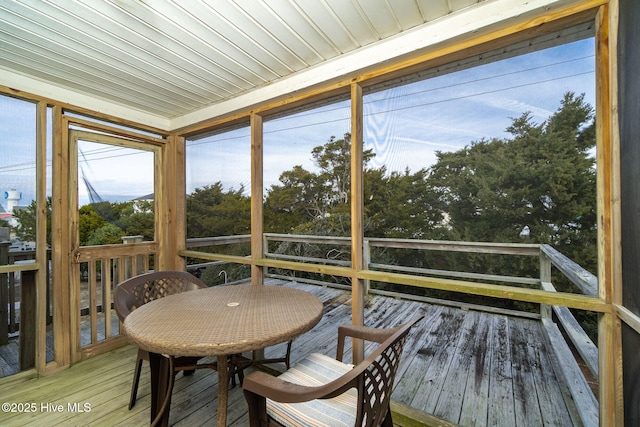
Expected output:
(377, 374)
(139, 290)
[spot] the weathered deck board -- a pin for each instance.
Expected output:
(9, 358)
(440, 350)
(449, 405)
(501, 406)
(565, 364)
(467, 367)
(527, 408)
(415, 358)
(475, 402)
(548, 390)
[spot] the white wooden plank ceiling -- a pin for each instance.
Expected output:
(169, 59)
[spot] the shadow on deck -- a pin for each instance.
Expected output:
(464, 366)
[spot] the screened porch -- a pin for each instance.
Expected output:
(471, 160)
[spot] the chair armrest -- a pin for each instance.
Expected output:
(270, 387)
(260, 386)
(123, 300)
(362, 332)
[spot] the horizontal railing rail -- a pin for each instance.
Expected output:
(201, 242)
(454, 246)
(587, 282)
(331, 254)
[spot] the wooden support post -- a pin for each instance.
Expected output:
(357, 207)
(4, 295)
(42, 311)
(180, 233)
(132, 266)
(257, 225)
(610, 399)
(61, 187)
(170, 205)
(28, 306)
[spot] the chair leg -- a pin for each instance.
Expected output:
(235, 369)
(257, 406)
(287, 357)
(136, 380)
(239, 371)
(388, 421)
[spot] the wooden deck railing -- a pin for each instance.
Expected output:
(587, 283)
(11, 289)
(284, 250)
(101, 268)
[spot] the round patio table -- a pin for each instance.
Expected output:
(218, 321)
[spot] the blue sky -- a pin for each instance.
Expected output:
(17, 148)
(405, 125)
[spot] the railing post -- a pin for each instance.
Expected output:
(128, 264)
(366, 257)
(48, 281)
(265, 248)
(4, 294)
(27, 320)
(545, 277)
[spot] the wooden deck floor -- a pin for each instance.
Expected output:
(467, 367)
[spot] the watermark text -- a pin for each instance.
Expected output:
(45, 407)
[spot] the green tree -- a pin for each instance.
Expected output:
(106, 220)
(402, 205)
(131, 218)
(137, 219)
(333, 159)
(396, 204)
(213, 212)
(26, 220)
(88, 222)
(315, 202)
(295, 201)
(542, 179)
(108, 234)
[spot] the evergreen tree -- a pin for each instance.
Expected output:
(213, 212)
(137, 219)
(88, 222)
(541, 180)
(402, 205)
(26, 222)
(315, 202)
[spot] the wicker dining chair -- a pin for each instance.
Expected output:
(320, 390)
(139, 290)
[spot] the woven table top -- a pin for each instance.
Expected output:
(222, 320)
